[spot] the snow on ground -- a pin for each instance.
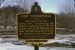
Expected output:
(1, 40)
(9, 46)
(7, 43)
(63, 38)
(59, 41)
(66, 35)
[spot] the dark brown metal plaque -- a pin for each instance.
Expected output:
(36, 27)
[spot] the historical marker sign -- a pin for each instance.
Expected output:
(36, 26)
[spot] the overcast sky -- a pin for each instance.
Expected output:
(52, 5)
(46, 5)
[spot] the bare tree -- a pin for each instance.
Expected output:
(8, 13)
(26, 4)
(66, 16)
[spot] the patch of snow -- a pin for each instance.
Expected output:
(65, 39)
(9, 27)
(58, 41)
(6, 44)
(9, 46)
(1, 40)
(60, 28)
(1, 27)
(73, 41)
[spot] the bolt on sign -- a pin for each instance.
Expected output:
(36, 26)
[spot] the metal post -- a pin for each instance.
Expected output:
(36, 47)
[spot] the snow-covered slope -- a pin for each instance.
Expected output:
(9, 46)
(64, 39)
